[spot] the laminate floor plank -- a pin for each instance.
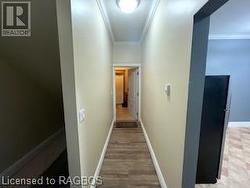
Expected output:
(127, 163)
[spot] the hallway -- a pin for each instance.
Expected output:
(156, 37)
(127, 161)
(123, 114)
(113, 93)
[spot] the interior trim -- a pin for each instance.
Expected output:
(99, 165)
(147, 24)
(228, 37)
(239, 124)
(105, 18)
(140, 83)
(154, 159)
(196, 88)
(150, 19)
(14, 168)
(126, 64)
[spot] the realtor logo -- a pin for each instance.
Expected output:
(16, 18)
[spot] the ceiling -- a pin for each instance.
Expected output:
(233, 19)
(128, 27)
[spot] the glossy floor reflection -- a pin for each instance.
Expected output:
(123, 114)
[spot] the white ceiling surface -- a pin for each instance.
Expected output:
(232, 19)
(128, 27)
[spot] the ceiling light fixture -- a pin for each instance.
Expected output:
(128, 6)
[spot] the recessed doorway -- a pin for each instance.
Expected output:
(126, 89)
(215, 150)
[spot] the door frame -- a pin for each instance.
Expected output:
(124, 65)
(226, 121)
(196, 90)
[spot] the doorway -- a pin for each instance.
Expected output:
(223, 163)
(126, 89)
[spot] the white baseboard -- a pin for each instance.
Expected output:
(239, 124)
(228, 37)
(14, 168)
(99, 166)
(155, 161)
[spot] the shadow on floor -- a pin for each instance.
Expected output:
(57, 169)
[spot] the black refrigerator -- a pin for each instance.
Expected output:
(215, 113)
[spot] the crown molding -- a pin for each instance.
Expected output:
(105, 18)
(147, 24)
(149, 19)
(228, 37)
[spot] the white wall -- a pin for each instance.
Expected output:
(68, 85)
(232, 57)
(166, 59)
(127, 53)
(87, 81)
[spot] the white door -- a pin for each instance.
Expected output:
(119, 88)
(133, 92)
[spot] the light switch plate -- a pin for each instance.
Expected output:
(82, 115)
(167, 89)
